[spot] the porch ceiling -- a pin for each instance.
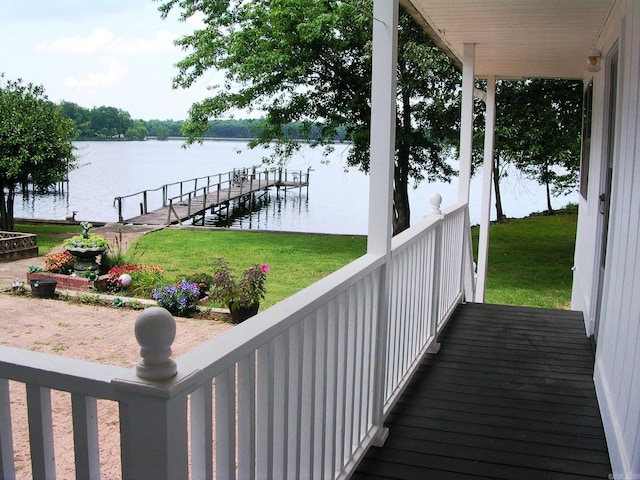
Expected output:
(516, 38)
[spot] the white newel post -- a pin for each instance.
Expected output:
(153, 409)
(383, 125)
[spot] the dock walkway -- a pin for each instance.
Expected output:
(192, 198)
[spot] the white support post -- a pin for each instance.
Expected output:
(153, 417)
(487, 173)
(382, 159)
(153, 432)
(383, 125)
(466, 127)
(436, 201)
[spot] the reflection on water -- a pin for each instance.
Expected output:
(336, 201)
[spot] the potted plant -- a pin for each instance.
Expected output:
(241, 296)
(85, 248)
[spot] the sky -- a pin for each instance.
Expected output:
(116, 53)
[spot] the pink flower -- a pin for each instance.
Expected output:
(265, 268)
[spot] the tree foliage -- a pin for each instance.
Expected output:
(547, 146)
(309, 62)
(99, 123)
(137, 131)
(35, 143)
(537, 132)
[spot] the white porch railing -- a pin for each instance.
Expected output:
(299, 391)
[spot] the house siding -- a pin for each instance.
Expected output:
(617, 370)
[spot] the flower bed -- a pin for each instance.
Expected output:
(68, 282)
(15, 245)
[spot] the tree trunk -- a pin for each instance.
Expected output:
(401, 210)
(547, 184)
(500, 217)
(6, 208)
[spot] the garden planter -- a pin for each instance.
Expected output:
(241, 314)
(85, 259)
(43, 288)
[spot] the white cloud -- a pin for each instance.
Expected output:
(112, 77)
(99, 39)
(102, 40)
(163, 40)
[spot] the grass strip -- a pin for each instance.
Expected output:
(530, 261)
(295, 260)
(49, 236)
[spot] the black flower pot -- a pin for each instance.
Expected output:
(43, 288)
(239, 315)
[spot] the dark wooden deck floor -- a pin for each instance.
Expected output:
(509, 396)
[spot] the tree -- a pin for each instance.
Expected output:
(162, 132)
(81, 117)
(538, 132)
(547, 146)
(36, 143)
(309, 61)
(110, 122)
(137, 132)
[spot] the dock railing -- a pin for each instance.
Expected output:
(294, 392)
(218, 187)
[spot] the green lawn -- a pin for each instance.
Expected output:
(295, 260)
(530, 261)
(48, 235)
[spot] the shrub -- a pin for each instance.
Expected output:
(60, 262)
(204, 281)
(145, 280)
(92, 241)
(114, 274)
(180, 299)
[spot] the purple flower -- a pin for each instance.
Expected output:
(179, 299)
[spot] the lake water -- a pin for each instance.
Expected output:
(336, 202)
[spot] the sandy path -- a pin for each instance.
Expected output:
(98, 334)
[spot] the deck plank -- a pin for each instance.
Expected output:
(509, 396)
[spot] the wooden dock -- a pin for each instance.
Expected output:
(215, 193)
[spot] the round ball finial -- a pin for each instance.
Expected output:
(155, 330)
(435, 200)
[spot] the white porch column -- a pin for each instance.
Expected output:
(383, 125)
(466, 124)
(487, 173)
(383, 138)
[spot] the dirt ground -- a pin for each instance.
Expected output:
(93, 333)
(97, 334)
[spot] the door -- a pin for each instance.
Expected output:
(604, 199)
